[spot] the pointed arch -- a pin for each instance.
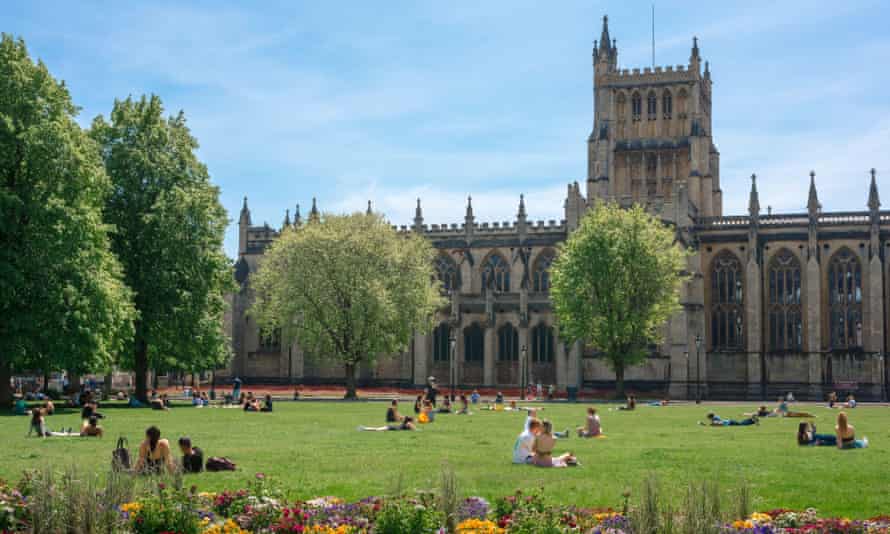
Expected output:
(508, 343)
(542, 343)
(621, 105)
(447, 272)
(651, 106)
(845, 299)
(474, 345)
(636, 106)
(784, 302)
(726, 302)
(682, 100)
(667, 104)
(442, 343)
(541, 271)
(496, 273)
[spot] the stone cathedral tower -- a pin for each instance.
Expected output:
(651, 141)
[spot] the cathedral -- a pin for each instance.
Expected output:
(775, 302)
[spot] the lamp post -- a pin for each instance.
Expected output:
(523, 371)
(453, 370)
(686, 354)
(698, 368)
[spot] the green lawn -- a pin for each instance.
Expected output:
(313, 449)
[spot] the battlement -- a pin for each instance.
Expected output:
(486, 228)
(837, 218)
(648, 76)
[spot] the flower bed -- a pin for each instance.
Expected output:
(258, 508)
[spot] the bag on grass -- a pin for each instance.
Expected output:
(120, 457)
(220, 463)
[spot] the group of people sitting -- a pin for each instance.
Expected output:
(155, 455)
(253, 404)
(89, 427)
(834, 403)
(200, 399)
(534, 446)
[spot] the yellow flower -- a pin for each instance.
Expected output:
(760, 518)
(477, 526)
(229, 527)
(742, 524)
(131, 507)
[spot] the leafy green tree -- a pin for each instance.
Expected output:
(169, 237)
(63, 303)
(615, 283)
(347, 288)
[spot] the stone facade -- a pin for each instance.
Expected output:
(775, 302)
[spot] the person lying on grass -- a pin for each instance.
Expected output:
(38, 423)
(846, 434)
(631, 404)
(446, 405)
(407, 423)
(542, 448)
(192, 457)
(784, 411)
(716, 420)
(592, 428)
(393, 417)
(806, 435)
(763, 411)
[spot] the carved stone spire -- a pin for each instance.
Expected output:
(313, 213)
(298, 220)
(874, 202)
(418, 217)
(245, 213)
(369, 211)
(469, 219)
(813, 198)
(754, 199)
(522, 214)
(286, 222)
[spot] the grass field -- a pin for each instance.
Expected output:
(313, 449)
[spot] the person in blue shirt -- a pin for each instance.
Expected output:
(474, 397)
(716, 420)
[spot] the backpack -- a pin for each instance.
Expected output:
(120, 457)
(220, 463)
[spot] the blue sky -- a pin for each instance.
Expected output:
(389, 101)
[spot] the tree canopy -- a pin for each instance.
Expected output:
(615, 282)
(347, 288)
(62, 300)
(169, 229)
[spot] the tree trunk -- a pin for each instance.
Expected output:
(350, 382)
(5, 387)
(109, 376)
(619, 380)
(73, 383)
(140, 369)
(46, 376)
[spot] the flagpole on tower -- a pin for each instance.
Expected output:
(653, 35)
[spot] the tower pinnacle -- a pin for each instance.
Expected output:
(874, 202)
(369, 211)
(298, 220)
(754, 198)
(813, 199)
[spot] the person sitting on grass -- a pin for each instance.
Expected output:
(267, 404)
(474, 397)
(851, 402)
(154, 454)
(427, 413)
(523, 452)
(91, 428)
(157, 402)
(446, 405)
(407, 424)
(418, 404)
(38, 423)
(192, 457)
(806, 435)
(296, 393)
(393, 417)
(846, 434)
(832, 399)
(464, 406)
(716, 420)
(499, 398)
(592, 428)
(784, 411)
(542, 448)
(631, 404)
(251, 404)
(48, 407)
(89, 410)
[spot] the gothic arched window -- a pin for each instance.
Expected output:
(651, 106)
(541, 272)
(442, 343)
(727, 294)
(636, 106)
(621, 103)
(447, 273)
(496, 273)
(542, 344)
(667, 104)
(845, 299)
(474, 349)
(682, 96)
(785, 319)
(508, 343)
